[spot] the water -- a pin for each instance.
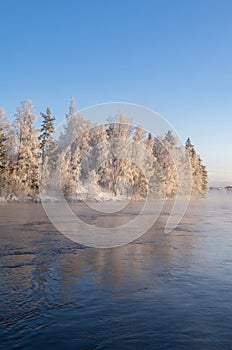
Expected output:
(160, 292)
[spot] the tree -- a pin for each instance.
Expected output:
(26, 170)
(204, 181)
(117, 171)
(156, 184)
(74, 127)
(7, 154)
(93, 185)
(116, 156)
(47, 144)
(140, 160)
(199, 173)
(166, 151)
(70, 171)
(3, 154)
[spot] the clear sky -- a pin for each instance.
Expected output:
(173, 56)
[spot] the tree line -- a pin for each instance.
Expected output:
(87, 159)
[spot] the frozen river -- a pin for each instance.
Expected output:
(159, 292)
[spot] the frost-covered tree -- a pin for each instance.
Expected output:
(93, 152)
(117, 169)
(166, 150)
(48, 147)
(115, 157)
(156, 178)
(199, 173)
(74, 144)
(7, 154)
(26, 170)
(70, 171)
(138, 159)
(93, 185)
(3, 151)
(204, 181)
(65, 171)
(47, 143)
(3, 154)
(75, 126)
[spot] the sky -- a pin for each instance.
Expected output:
(171, 56)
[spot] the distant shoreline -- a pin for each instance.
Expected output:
(221, 188)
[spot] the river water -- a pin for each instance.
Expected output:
(160, 292)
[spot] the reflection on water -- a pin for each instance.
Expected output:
(160, 292)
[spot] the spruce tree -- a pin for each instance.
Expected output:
(199, 173)
(47, 144)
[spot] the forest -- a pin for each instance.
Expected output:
(90, 161)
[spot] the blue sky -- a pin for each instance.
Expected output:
(173, 56)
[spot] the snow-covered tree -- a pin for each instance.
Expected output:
(165, 150)
(204, 181)
(199, 173)
(116, 157)
(26, 170)
(3, 154)
(140, 162)
(75, 126)
(117, 169)
(47, 143)
(7, 154)
(70, 171)
(154, 170)
(93, 185)
(74, 142)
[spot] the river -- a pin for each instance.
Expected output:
(163, 291)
